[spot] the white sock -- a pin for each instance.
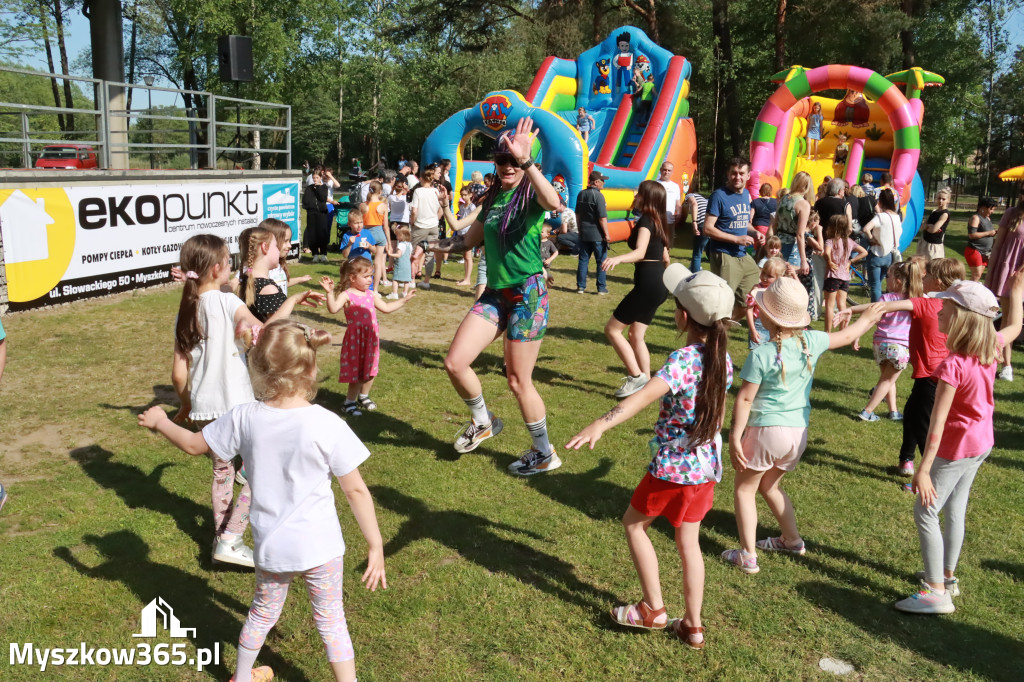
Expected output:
(539, 433)
(246, 659)
(478, 408)
(363, 396)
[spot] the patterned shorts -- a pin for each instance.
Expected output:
(896, 355)
(521, 310)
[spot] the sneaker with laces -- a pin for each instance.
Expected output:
(779, 545)
(240, 477)
(472, 435)
(233, 553)
(631, 385)
(1006, 373)
(952, 584)
(868, 416)
(746, 562)
(896, 416)
(264, 673)
(927, 601)
(907, 468)
(535, 462)
(581, 291)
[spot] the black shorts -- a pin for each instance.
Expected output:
(646, 296)
(834, 284)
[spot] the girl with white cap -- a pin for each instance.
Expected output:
(686, 451)
(770, 417)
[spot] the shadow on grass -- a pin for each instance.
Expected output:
(1006, 462)
(141, 490)
(1014, 571)
(474, 538)
(196, 604)
(849, 465)
(944, 640)
(163, 394)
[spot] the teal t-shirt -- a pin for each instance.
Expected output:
(3, 334)
(514, 256)
(778, 403)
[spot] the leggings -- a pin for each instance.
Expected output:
(323, 584)
(225, 517)
(917, 415)
(940, 549)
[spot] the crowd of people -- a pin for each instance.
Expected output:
(245, 371)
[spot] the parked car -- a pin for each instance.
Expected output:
(67, 157)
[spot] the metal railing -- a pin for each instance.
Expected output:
(215, 126)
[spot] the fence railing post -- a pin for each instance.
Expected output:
(26, 145)
(211, 113)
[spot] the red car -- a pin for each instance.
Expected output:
(67, 157)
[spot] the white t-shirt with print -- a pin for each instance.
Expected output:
(217, 371)
(672, 195)
(290, 458)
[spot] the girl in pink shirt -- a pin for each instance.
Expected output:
(960, 434)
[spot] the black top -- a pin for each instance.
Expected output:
(314, 199)
(828, 207)
(265, 305)
(763, 209)
(933, 218)
(655, 246)
(865, 211)
(590, 208)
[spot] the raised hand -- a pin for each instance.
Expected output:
(521, 146)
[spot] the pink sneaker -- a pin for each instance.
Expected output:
(907, 468)
(746, 562)
(779, 545)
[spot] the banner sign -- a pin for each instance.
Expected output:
(65, 244)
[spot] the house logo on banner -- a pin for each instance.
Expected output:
(39, 240)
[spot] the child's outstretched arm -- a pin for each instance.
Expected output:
(848, 335)
(292, 281)
(390, 306)
(922, 481)
(179, 380)
(625, 410)
(336, 300)
(308, 297)
(740, 416)
(843, 317)
(361, 502)
(191, 443)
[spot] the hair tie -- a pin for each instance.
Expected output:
(191, 274)
(247, 270)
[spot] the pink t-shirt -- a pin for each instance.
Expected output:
(894, 327)
(840, 256)
(969, 431)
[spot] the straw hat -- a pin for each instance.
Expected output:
(784, 303)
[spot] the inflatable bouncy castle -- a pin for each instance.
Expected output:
(628, 143)
(875, 126)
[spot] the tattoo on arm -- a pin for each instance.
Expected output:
(612, 413)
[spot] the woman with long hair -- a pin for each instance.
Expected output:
(883, 233)
(515, 301)
(649, 243)
(1007, 256)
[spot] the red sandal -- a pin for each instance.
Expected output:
(687, 634)
(639, 615)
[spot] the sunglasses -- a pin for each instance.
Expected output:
(505, 160)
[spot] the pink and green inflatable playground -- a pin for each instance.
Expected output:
(619, 146)
(882, 124)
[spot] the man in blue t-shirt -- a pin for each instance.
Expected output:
(727, 225)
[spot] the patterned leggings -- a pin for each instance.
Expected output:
(323, 584)
(222, 492)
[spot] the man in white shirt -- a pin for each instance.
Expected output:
(673, 195)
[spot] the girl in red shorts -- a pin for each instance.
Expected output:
(686, 451)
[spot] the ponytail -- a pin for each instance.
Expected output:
(199, 255)
(257, 236)
(709, 408)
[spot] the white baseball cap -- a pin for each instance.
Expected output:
(706, 297)
(973, 296)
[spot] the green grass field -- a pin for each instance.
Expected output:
(491, 577)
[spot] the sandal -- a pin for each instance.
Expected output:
(367, 404)
(639, 615)
(687, 634)
(352, 408)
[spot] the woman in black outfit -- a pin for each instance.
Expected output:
(318, 220)
(649, 243)
(934, 231)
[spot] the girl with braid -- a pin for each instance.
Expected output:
(772, 411)
(260, 254)
(515, 301)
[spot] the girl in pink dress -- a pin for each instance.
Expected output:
(360, 351)
(1007, 256)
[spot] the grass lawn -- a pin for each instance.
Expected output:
(491, 577)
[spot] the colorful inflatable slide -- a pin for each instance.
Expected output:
(622, 146)
(882, 128)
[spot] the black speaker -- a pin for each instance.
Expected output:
(234, 55)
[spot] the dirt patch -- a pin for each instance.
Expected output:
(24, 453)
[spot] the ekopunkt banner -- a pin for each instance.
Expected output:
(64, 244)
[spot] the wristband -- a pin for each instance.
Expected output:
(526, 164)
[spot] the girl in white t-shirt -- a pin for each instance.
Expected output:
(210, 376)
(291, 449)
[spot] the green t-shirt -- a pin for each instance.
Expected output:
(514, 256)
(778, 403)
(645, 92)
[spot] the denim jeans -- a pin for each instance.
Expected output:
(600, 250)
(699, 244)
(878, 270)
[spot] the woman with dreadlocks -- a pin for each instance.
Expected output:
(515, 301)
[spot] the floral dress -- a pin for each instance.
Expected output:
(360, 351)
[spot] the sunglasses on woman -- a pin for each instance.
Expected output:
(505, 160)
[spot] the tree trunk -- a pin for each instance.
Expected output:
(341, 94)
(780, 36)
(44, 24)
(648, 11)
(598, 16)
(907, 34)
(730, 91)
(69, 100)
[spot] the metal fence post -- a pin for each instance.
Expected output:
(211, 113)
(26, 145)
(288, 136)
(103, 125)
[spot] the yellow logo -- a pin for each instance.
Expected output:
(39, 240)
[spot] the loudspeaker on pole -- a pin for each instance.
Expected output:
(234, 56)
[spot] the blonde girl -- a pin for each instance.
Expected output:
(686, 451)
(840, 253)
(262, 295)
(772, 269)
(772, 248)
(403, 263)
(814, 124)
(283, 232)
(891, 342)
(360, 351)
(770, 417)
(291, 449)
(375, 219)
(960, 432)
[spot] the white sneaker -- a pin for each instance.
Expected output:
(631, 385)
(392, 296)
(535, 462)
(236, 553)
(1006, 373)
(424, 285)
